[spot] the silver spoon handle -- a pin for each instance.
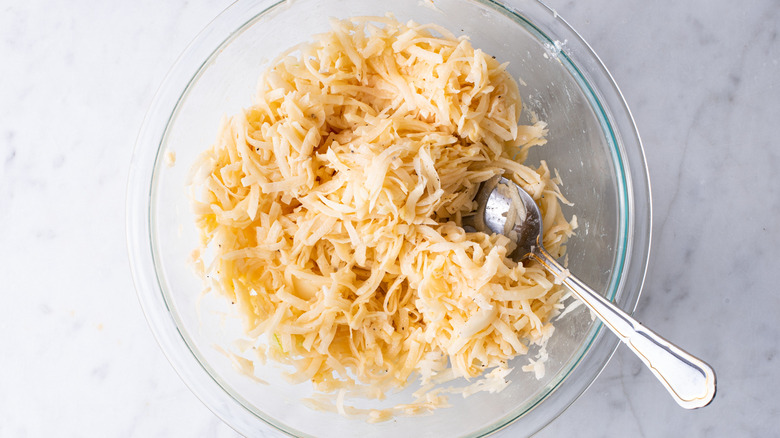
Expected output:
(690, 381)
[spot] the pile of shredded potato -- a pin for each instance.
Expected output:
(330, 211)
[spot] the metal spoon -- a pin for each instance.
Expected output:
(505, 208)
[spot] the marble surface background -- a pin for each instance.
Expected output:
(76, 355)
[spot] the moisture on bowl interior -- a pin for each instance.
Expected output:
(330, 216)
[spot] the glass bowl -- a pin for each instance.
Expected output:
(592, 142)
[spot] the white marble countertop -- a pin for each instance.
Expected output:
(78, 359)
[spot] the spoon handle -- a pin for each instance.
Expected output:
(690, 381)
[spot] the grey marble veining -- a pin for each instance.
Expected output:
(78, 359)
(704, 91)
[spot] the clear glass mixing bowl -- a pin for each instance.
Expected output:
(592, 142)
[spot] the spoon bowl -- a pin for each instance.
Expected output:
(505, 208)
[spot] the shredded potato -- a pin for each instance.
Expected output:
(330, 215)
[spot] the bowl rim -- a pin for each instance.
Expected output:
(146, 158)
